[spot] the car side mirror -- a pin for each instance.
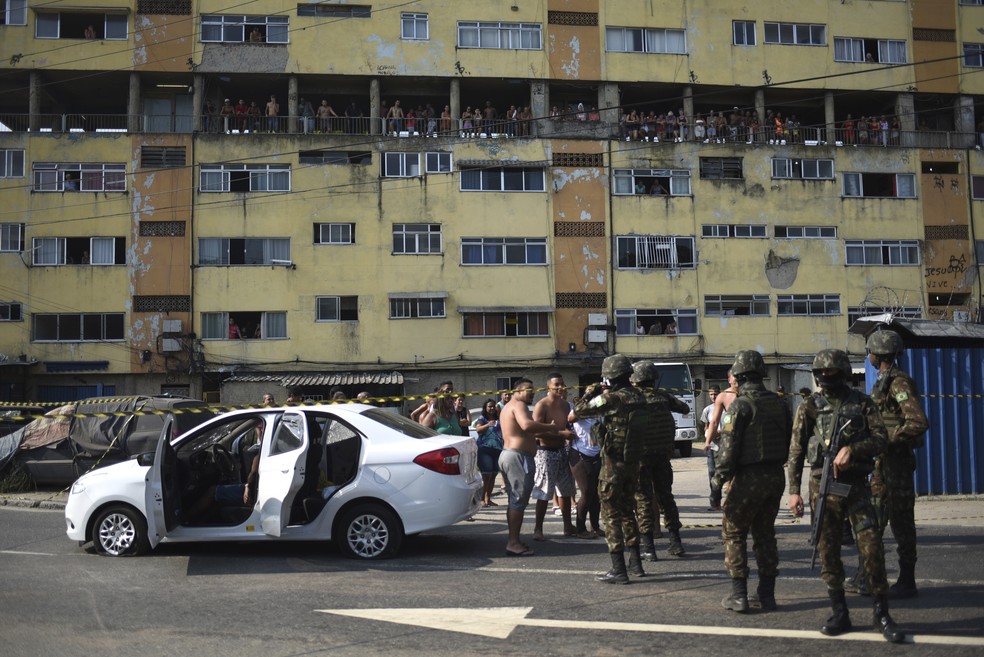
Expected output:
(697, 385)
(147, 458)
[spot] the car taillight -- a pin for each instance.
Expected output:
(443, 460)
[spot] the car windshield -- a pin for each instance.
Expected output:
(675, 378)
(397, 422)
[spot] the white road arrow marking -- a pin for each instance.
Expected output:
(499, 622)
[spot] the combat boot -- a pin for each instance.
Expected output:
(906, 586)
(737, 600)
(764, 597)
(840, 621)
(617, 574)
(635, 562)
(884, 623)
(646, 547)
(676, 548)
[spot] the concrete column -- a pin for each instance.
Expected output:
(905, 109)
(688, 109)
(133, 104)
(292, 112)
(540, 107)
(609, 99)
(34, 102)
(963, 121)
(198, 102)
(830, 118)
(760, 106)
(455, 104)
(374, 100)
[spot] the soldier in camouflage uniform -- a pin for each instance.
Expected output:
(620, 455)
(655, 471)
(892, 489)
(838, 407)
(753, 449)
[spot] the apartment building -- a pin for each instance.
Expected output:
(161, 233)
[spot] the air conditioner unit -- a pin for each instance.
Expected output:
(597, 319)
(172, 326)
(169, 345)
(961, 316)
(595, 337)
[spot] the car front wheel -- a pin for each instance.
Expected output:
(369, 531)
(120, 531)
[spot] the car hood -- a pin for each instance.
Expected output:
(123, 472)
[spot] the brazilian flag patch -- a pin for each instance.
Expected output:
(901, 397)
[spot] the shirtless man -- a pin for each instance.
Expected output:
(516, 462)
(721, 404)
(553, 470)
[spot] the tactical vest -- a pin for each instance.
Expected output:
(630, 427)
(765, 439)
(827, 415)
(660, 440)
(888, 408)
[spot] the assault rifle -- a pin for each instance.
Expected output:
(828, 486)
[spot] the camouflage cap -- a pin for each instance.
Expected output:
(615, 366)
(885, 343)
(748, 360)
(643, 371)
(833, 359)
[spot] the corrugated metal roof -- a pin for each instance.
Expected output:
(321, 378)
(503, 163)
(922, 329)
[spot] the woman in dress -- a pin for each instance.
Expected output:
(489, 448)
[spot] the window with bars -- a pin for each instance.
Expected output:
(419, 307)
(741, 305)
(337, 309)
(417, 239)
(503, 251)
(162, 157)
(811, 305)
(226, 28)
(79, 177)
(77, 327)
(503, 36)
(334, 233)
(244, 178)
(646, 40)
(882, 252)
(655, 252)
(505, 325)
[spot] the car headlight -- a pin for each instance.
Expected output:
(78, 487)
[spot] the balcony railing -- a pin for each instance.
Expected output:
(497, 129)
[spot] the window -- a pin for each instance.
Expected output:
(56, 251)
(807, 232)
(162, 157)
(11, 311)
(505, 36)
(77, 327)
(413, 26)
(75, 25)
(881, 51)
(11, 163)
(654, 182)
(882, 252)
(726, 305)
(503, 251)
(796, 34)
(244, 325)
(505, 325)
(11, 238)
(335, 157)
(854, 313)
(337, 309)
(732, 230)
(977, 187)
(655, 252)
(243, 251)
(79, 177)
(14, 12)
(335, 11)
(438, 162)
(419, 306)
(245, 178)
(974, 54)
(240, 29)
(401, 165)
(334, 233)
(721, 168)
(950, 168)
(744, 32)
(416, 238)
(633, 39)
(520, 179)
(808, 304)
(655, 320)
(803, 169)
(880, 185)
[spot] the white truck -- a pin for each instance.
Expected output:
(675, 379)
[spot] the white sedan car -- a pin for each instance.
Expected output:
(354, 474)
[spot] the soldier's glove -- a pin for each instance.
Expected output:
(591, 391)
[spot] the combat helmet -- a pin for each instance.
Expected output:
(643, 371)
(748, 361)
(885, 343)
(616, 366)
(832, 359)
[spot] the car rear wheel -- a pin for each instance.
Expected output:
(369, 531)
(685, 448)
(120, 531)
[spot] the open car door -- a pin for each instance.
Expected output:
(282, 470)
(161, 489)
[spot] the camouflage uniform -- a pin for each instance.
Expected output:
(754, 446)
(813, 427)
(655, 471)
(619, 463)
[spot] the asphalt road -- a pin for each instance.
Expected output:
(269, 600)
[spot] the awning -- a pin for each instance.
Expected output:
(418, 295)
(52, 366)
(321, 379)
(503, 163)
(505, 309)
